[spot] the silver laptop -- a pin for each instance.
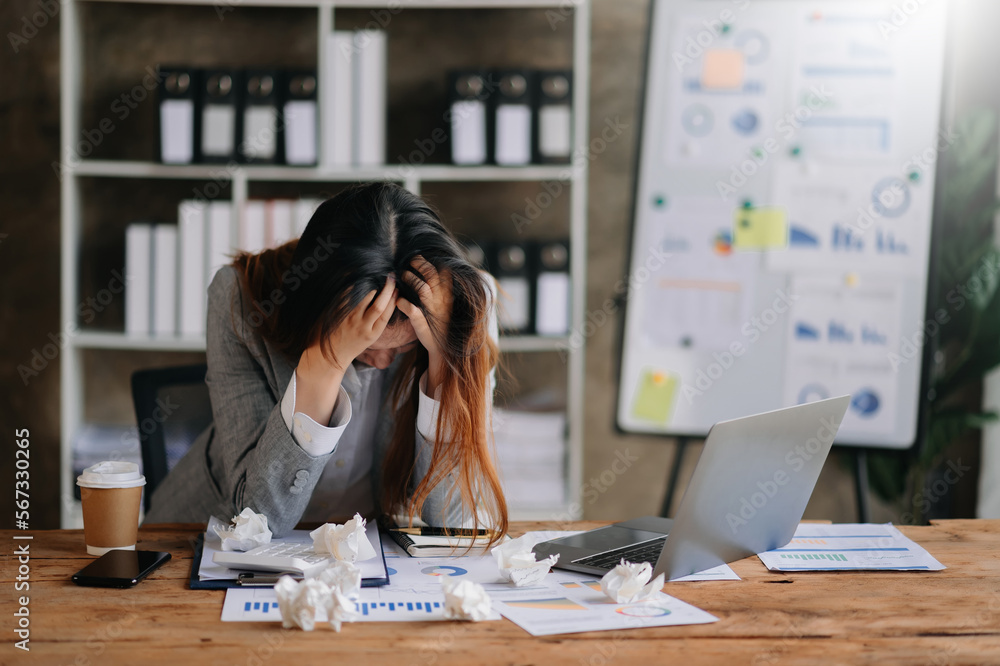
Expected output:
(747, 495)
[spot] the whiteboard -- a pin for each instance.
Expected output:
(782, 219)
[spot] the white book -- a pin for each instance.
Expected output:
(165, 279)
(253, 227)
(138, 277)
(177, 131)
(281, 230)
(220, 244)
(338, 99)
(370, 70)
(304, 209)
(191, 224)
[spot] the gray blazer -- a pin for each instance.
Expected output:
(247, 456)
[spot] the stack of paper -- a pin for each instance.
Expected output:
(531, 449)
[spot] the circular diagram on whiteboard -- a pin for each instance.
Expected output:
(697, 120)
(865, 402)
(890, 197)
(754, 45)
(812, 393)
(745, 122)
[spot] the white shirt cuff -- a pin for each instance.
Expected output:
(427, 410)
(314, 439)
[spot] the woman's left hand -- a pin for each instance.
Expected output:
(436, 297)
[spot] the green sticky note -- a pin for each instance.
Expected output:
(654, 397)
(760, 228)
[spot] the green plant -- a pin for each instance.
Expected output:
(967, 289)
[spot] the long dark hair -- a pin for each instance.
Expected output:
(352, 242)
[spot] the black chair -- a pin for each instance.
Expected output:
(171, 409)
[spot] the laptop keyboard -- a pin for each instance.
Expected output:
(648, 551)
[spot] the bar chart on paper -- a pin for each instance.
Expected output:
(374, 605)
(847, 547)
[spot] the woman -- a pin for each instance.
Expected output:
(351, 370)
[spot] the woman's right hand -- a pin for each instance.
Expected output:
(363, 325)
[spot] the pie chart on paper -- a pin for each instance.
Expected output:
(443, 571)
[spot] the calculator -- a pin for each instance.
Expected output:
(294, 557)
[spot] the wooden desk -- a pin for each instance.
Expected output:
(947, 617)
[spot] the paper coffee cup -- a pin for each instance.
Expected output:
(111, 493)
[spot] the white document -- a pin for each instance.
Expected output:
(300, 132)
(220, 238)
(218, 130)
(370, 86)
(849, 547)
(513, 134)
(260, 132)
(165, 279)
(191, 244)
(698, 292)
(139, 276)
(253, 230)
(468, 132)
(515, 302)
(555, 127)
(338, 93)
(280, 214)
(177, 131)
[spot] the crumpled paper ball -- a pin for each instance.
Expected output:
(465, 600)
(519, 565)
(347, 542)
(248, 531)
(628, 583)
(300, 603)
(303, 604)
(344, 577)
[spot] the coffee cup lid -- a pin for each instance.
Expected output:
(111, 474)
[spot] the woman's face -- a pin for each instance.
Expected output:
(396, 339)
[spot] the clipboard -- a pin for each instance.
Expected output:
(195, 582)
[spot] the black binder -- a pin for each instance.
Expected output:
(513, 117)
(553, 134)
(469, 115)
(300, 117)
(550, 268)
(260, 139)
(512, 271)
(221, 122)
(179, 118)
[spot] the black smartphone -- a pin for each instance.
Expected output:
(120, 568)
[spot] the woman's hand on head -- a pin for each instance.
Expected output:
(363, 325)
(434, 291)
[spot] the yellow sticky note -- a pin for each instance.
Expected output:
(722, 69)
(654, 398)
(760, 228)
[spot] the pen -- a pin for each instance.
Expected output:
(443, 531)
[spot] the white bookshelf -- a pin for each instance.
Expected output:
(71, 58)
